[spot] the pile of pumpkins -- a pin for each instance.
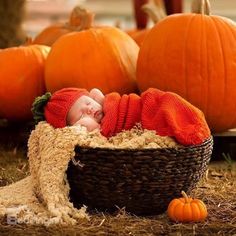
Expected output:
(191, 54)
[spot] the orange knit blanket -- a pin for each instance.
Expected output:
(165, 112)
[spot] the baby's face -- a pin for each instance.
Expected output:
(87, 111)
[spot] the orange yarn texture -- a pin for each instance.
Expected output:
(165, 112)
(120, 113)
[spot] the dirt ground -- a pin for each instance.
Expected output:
(217, 189)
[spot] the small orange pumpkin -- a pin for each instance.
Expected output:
(101, 57)
(21, 80)
(51, 33)
(187, 209)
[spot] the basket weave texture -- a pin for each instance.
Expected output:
(143, 181)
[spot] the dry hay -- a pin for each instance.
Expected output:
(217, 190)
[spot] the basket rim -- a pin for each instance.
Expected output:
(191, 148)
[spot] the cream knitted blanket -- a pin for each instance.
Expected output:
(43, 197)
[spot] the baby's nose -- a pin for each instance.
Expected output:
(90, 111)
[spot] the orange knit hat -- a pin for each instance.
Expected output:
(59, 105)
(54, 108)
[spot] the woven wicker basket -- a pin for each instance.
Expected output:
(143, 181)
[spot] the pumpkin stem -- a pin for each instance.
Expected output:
(201, 7)
(80, 19)
(185, 196)
(38, 107)
(155, 11)
(159, 5)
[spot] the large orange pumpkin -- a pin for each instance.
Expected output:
(194, 55)
(21, 80)
(51, 33)
(103, 57)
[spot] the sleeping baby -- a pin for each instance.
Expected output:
(164, 112)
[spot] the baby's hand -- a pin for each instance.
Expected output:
(88, 122)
